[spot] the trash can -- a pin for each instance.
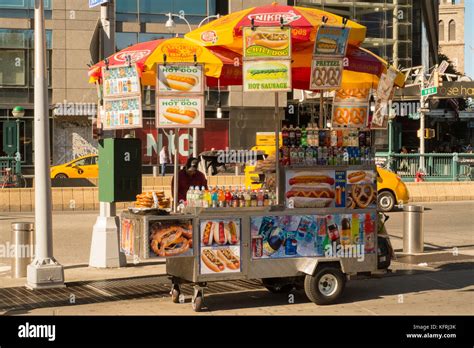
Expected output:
(413, 229)
(22, 245)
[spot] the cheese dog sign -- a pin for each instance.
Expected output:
(176, 78)
(180, 112)
(267, 42)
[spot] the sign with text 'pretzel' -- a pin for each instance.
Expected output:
(326, 73)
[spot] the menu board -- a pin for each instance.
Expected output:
(176, 78)
(336, 235)
(326, 73)
(267, 76)
(349, 115)
(121, 81)
(122, 113)
(310, 189)
(219, 241)
(331, 41)
(267, 42)
(180, 111)
(170, 238)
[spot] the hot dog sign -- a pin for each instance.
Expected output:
(180, 112)
(178, 78)
(267, 42)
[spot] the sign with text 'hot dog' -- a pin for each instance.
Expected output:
(220, 246)
(180, 112)
(326, 73)
(331, 41)
(267, 42)
(180, 78)
(267, 76)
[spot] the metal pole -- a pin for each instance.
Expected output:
(390, 143)
(44, 271)
(195, 142)
(277, 148)
(18, 154)
(422, 122)
(321, 110)
(395, 33)
(175, 181)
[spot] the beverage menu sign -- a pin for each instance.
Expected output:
(122, 113)
(267, 42)
(121, 81)
(337, 235)
(178, 78)
(219, 241)
(326, 73)
(267, 76)
(331, 41)
(180, 111)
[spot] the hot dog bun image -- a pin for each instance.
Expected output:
(180, 115)
(356, 177)
(211, 261)
(311, 178)
(326, 45)
(228, 258)
(271, 39)
(181, 82)
(311, 191)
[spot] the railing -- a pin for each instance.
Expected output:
(439, 166)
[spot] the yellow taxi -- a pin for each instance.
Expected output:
(391, 190)
(82, 167)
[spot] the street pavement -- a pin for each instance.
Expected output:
(440, 282)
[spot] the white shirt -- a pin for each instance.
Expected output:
(164, 156)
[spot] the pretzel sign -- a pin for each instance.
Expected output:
(349, 116)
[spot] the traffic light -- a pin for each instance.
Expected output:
(429, 133)
(437, 79)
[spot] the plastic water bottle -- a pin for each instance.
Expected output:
(197, 192)
(189, 196)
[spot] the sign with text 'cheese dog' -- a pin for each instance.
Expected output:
(176, 78)
(180, 112)
(267, 76)
(267, 42)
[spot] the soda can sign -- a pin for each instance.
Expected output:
(257, 246)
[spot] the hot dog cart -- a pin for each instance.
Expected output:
(308, 242)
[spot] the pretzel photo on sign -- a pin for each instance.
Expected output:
(363, 195)
(349, 116)
(352, 94)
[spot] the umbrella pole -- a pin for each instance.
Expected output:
(175, 182)
(321, 109)
(277, 145)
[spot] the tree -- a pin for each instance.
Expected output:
(462, 103)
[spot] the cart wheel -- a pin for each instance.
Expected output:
(325, 286)
(197, 302)
(277, 288)
(175, 293)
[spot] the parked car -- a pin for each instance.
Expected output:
(82, 167)
(391, 190)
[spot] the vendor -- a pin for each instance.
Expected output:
(187, 177)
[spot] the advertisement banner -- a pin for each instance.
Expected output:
(176, 78)
(121, 81)
(337, 235)
(310, 189)
(349, 115)
(361, 189)
(380, 115)
(123, 113)
(385, 87)
(267, 76)
(180, 111)
(326, 73)
(331, 41)
(267, 42)
(219, 241)
(170, 238)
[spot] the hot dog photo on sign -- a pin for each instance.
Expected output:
(180, 78)
(180, 112)
(220, 246)
(310, 189)
(361, 189)
(265, 42)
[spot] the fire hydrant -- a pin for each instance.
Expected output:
(419, 177)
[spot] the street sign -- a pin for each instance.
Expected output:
(94, 3)
(429, 91)
(443, 66)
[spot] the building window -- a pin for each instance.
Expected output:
(124, 40)
(452, 30)
(22, 9)
(441, 31)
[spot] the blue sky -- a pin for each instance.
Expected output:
(469, 38)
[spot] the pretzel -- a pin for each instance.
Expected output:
(357, 116)
(345, 116)
(350, 203)
(363, 195)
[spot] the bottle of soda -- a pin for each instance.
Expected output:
(206, 198)
(298, 136)
(228, 197)
(215, 200)
(361, 138)
(284, 135)
(345, 231)
(260, 198)
(253, 199)
(304, 137)
(247, 197)
(339, 138)
(333, 230)
(221, 197)
(291, 136)
(322, 137)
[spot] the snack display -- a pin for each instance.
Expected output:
(310, 189)
(152, 199)
(171, 238)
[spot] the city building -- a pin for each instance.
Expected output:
(451, 31)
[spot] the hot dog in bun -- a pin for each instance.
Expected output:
(311, 178)
(269, 39)
(180, 115)
(211, 260)
(326, 45)
(228, 258)
(181, 82)
(356, 177)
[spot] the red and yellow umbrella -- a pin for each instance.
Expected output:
(147, 54)
(304, 22)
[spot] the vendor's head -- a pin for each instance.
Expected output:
(192, 165)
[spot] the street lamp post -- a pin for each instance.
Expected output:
(44, 271)
(18, 112)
